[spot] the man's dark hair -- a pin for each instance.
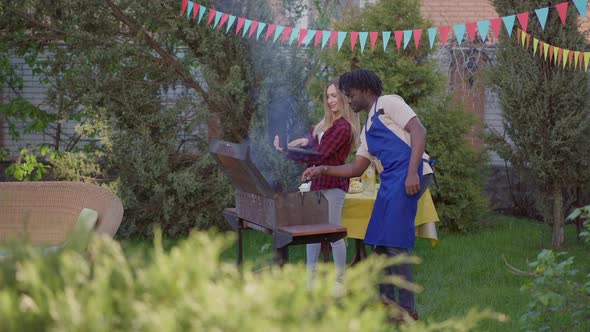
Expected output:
(361, 79)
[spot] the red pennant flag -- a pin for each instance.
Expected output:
(581, 59)
(399, 35)
(333, 38)
(562, 10)
(528, 41)
(354, 35)
(240, 24)
(224, 18)
(212, 13)
(541, 49)
(318, 37)
(559, 56)
(570, 56)
(550, 53)
(373, 36)
(471, 31)
(523, 19)
(496, 26)
(184, 5)
(196, 11)
(271, 29)
(417, 36)
(253, 28)
(302, 35)
(286, 34)
(518, 33)
(444, 34)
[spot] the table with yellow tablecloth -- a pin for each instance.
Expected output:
(357, 212)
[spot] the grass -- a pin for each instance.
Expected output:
(462, 272)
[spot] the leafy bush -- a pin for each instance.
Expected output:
(187, 289)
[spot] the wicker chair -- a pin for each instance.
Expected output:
(48, 211)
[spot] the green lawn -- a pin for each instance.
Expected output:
(462, 272)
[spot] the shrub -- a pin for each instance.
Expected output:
(187, 289)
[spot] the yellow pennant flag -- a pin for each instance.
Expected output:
(522, 37)
(576, 55)
(535, 44)
(555, 51)
(566, 53)
(545, 49)
(586, 58)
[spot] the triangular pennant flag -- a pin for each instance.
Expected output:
(202, 10)
(353, 37)
(286, 34)
(581, 56)
(373, 35)
(224, 18)
(576, 57)
(559, 55)
(459, 32)
(471, 31)
(333, 38)
(535, 45)
(261, 27)
(184, 5)
(523, 19)
(553, 53)
(444, 34)
(270, 30)
(399, 36)
(302, 36)
(318, 37)
(407, 37)
(541, 47)
(545, 50)
(496, 25)
(431, 36)
(483, 27)
(386, 35)
(570, 57)
(190, 9)
(241, 22)
(363, 40)
(509, 23)
(212, 13)
(325, 37)
(217, 18)
(518, 34)
(253, 28)
(278, 32)
(247, 24)
(230, 22)
(566, 54)
(341, 37)
(294, 35)
(417, 36)
(310, 36)
(528, 41)
(522, 37)
(582, 6)
(562, 11)
(542, 15)
(586, 58)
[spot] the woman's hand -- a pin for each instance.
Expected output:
(298, 142)
(277, 144)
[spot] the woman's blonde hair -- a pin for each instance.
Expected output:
(346, 112)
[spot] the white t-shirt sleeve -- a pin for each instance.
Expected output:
(363, 149)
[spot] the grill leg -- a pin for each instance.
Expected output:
(360, 252)
(282, 255)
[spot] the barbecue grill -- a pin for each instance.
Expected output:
(290, 217)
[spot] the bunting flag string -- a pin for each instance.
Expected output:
(323, 38)
(555, 54)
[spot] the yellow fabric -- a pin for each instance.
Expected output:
(357, 212)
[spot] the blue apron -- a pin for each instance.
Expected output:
(392, 219)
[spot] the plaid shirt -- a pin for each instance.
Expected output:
(335, 147)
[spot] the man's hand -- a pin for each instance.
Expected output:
(277, 143)
(311, 173)
(412, 184)
(299, 142)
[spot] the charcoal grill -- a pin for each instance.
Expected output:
(290, 217)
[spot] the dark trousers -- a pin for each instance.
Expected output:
(403, 297)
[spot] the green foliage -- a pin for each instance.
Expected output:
(561, 300)
(412, 74)
(27, 167)
(545, 111)
(584, 214)
(188, 288)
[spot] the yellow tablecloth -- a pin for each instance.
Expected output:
(357, 212)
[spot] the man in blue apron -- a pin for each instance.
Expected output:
(394, 135)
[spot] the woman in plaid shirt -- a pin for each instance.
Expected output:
(335, 136)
